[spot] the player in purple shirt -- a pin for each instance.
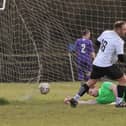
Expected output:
(84, 53)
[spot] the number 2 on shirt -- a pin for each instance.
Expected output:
(83, 47)
(103, 45)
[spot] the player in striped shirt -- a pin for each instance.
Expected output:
(84, 55)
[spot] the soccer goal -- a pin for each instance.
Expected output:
(2, 5)
(35, 35)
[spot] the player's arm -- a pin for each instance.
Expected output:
(98, 44)
(120, 52)
(122, 58)
(93, 55)
(76, 45)
(89, 102)
(71, 47)
(113, 87)
(92, 50)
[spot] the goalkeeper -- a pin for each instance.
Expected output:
(106, 94)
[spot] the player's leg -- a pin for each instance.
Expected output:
(121, 90)
(87, 75)
(87, 70)
(116, 74)
(80, 70)
(125, 95)
(80, 74)
(96, 74)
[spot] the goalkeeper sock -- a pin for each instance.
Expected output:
(121, 90)
(121, 93)
(83, 89)
(118, 100)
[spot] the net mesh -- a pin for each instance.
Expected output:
(35, 34)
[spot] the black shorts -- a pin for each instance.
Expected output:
(112, 72)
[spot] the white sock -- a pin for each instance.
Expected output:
(77, 97)
(118, 100)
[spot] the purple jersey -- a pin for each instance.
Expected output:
(84, 48)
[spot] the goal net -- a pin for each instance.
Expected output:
(35, 35)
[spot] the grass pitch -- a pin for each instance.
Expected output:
(49, 110)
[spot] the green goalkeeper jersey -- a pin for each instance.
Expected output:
(105, 94)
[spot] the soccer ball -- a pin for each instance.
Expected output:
(44, 88)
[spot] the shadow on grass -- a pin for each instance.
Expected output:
(3, 101)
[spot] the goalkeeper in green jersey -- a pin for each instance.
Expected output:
(106, 94)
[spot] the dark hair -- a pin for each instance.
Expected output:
(118, 24)
(85, 31)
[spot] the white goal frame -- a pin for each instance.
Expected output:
(4, 5)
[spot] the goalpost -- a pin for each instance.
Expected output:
(3, 5)
(35, 34)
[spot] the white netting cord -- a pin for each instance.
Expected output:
(35, 35)
(2, 5)
(33, 41)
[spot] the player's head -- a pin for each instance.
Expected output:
(93, 92)
(86, 33)
(120, 28)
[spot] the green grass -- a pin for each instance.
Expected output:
(49, 110)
